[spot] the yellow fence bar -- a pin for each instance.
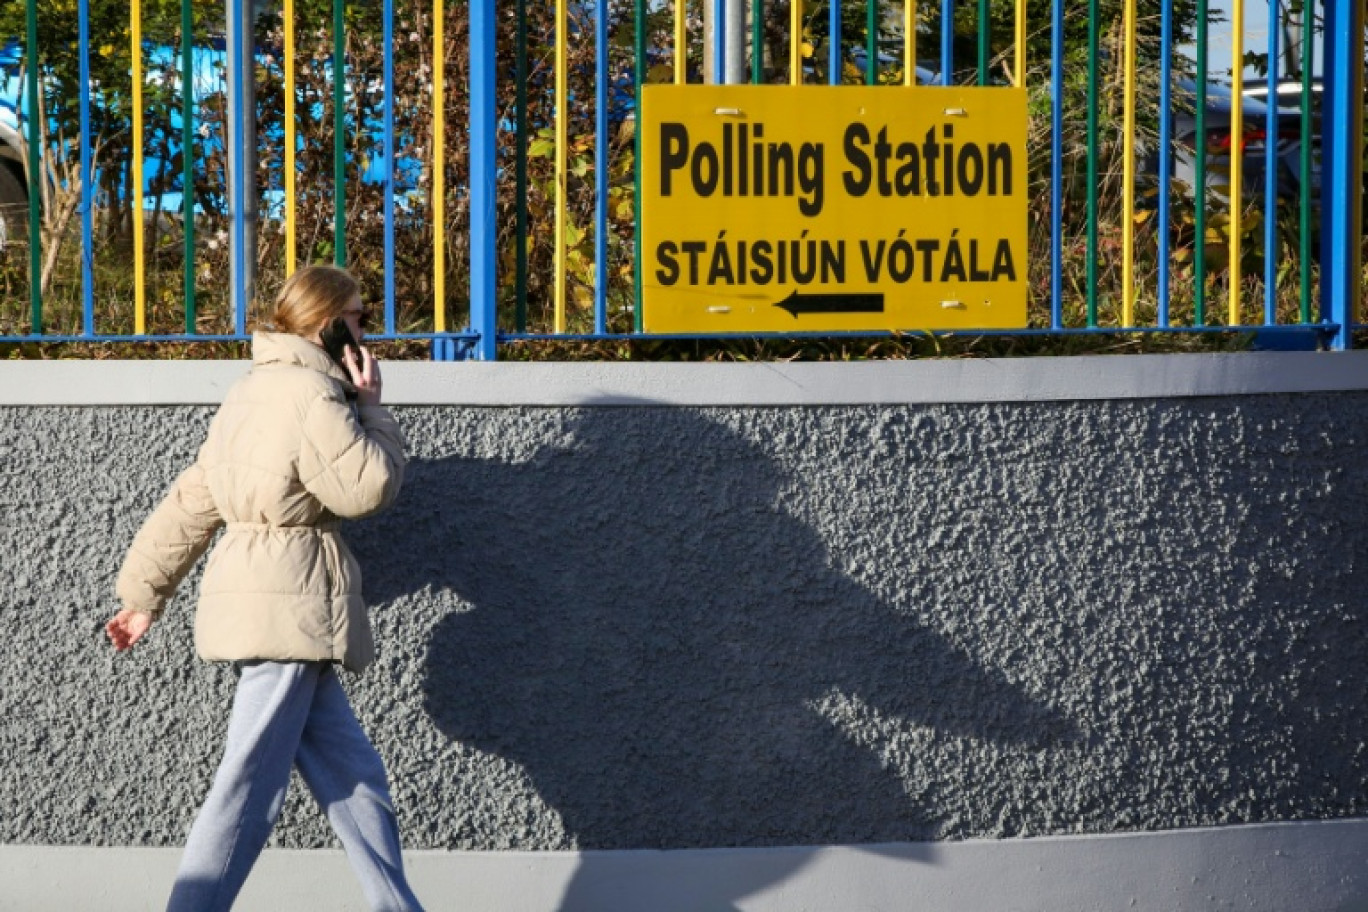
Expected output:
(1128, 173)
(139, 275)
(290, 236)
(562, 104)
(909, 42)
(1237, 151)
(1021, 43)
(681, 42)
(438, 167)
(795, 42)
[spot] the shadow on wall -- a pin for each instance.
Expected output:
(649, 634)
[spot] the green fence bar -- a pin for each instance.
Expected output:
(520, 168)
(339, 142)
(639, 40)
(188, 160)
(757, 40)
(1304, 232)
(984, 28)
(1199, 163)
(35, 175)
(871, 42)
(1092, 161)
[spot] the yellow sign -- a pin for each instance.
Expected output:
(798, 208)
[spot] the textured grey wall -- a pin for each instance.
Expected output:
(669, 627)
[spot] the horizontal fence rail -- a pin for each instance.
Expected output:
(480, 172)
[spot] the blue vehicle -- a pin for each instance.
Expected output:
(13, 187)
(162, 63)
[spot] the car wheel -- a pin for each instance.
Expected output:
(14, 214)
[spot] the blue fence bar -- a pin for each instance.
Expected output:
(484, 116)
(601, 175)
(1057, 165)
(607, 85)
(834, 55)
(1165, 151)
(1272, 136)
(1341, 174)
(388, 77)
(241, 186)
(719, 30)
(947, 62)
(187, 87)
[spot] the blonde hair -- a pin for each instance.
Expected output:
(312, 297)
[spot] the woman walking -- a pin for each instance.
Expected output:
(298, 444)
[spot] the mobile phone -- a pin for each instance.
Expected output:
(337, 338)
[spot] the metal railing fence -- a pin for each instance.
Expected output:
(517, 218)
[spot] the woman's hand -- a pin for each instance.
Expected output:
(127, 627)
(365, 376)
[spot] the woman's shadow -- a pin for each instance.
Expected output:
(649, 635)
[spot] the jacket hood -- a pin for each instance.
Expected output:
(287, 349)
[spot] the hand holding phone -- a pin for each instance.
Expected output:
(336, 338)
(359, 363)
(365, 373)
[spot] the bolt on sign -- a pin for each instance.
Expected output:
(829, 208)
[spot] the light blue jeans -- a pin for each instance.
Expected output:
(292, 714)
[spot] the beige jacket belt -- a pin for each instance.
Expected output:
(268, 527)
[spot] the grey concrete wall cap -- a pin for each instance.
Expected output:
(77, 383)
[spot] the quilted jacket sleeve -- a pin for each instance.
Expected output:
(168, 544)
(351, 460)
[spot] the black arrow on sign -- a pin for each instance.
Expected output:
(832, 303)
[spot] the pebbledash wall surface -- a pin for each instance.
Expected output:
(1079, 633)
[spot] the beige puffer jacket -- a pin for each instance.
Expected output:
(287, 455)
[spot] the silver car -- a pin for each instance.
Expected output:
(1218, 142)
